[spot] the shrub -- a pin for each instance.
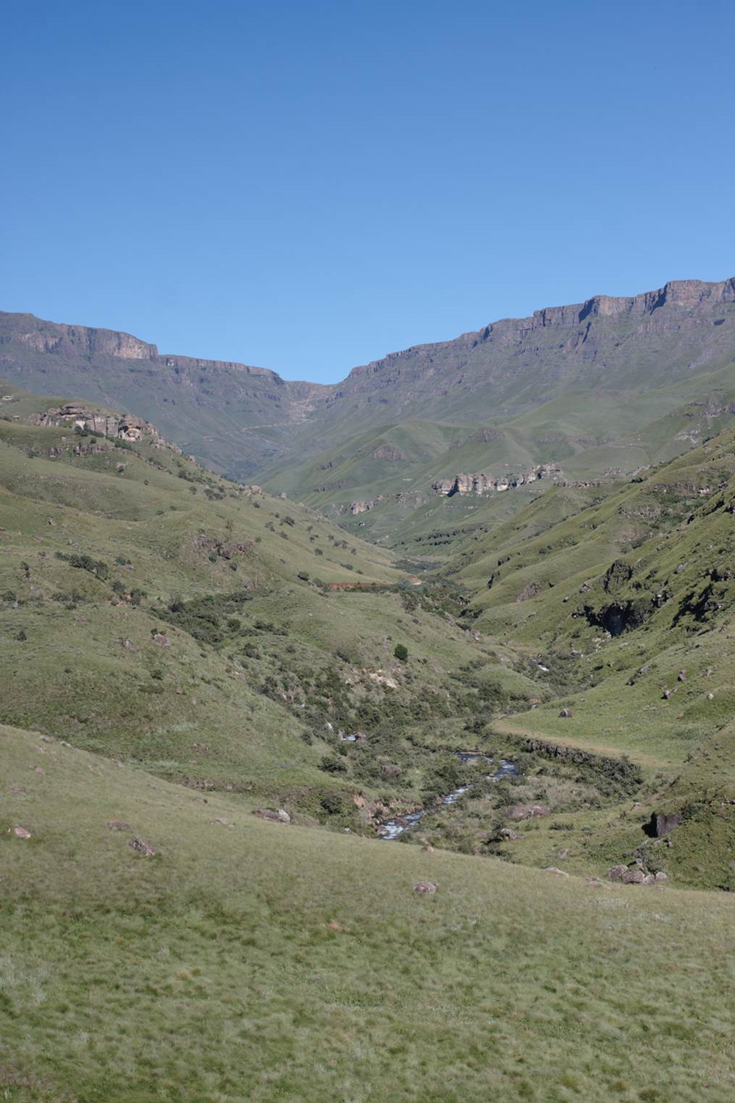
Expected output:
(333, 765)
(334, 804)
(401, 652)
(85, 562)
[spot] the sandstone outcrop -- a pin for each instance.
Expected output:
(127, 427)
(482, 484)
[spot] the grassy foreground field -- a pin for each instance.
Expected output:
(252, 961)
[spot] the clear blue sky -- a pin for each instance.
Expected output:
(307, 184)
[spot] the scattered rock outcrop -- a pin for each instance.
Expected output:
(635, 875)
(364, 507)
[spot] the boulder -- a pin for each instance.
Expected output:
(557, 871)
(21, 832)
(118, 825)
(428, 887)
(565, 714)
(273, 815)
(617, 873)
(161, 640)
(526, 811)
(509, 834)
(140, 846)
(633, 877)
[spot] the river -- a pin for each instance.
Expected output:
(394, 828)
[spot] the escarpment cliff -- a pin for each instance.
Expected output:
(246, 420)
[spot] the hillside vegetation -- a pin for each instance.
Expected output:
(214, 702)
(247, 960)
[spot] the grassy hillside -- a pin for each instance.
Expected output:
(178, 651)
(160, 615)
(157, 613)
(251, 960)
(626, 608)
(593, 436)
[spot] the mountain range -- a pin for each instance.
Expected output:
(585, 386)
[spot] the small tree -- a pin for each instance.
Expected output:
(401, 652)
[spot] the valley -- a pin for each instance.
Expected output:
(418, 739)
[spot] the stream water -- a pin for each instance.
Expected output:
(392, 829)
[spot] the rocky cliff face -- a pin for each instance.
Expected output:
(233, 416)
(682, 302)
(485, 484)
(243, 419)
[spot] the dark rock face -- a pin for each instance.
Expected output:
(626, 773)
(617, 574)
(619, 616)
(661, 823)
